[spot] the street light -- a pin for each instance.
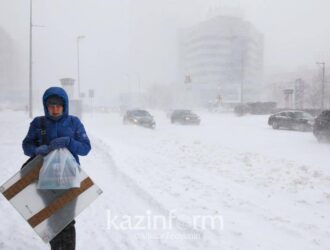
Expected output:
(139, 83)
(323, 83)
(31, 62)
(30, 65)
(138, 77)
(242, 76)
(78, 70)
(239, 44)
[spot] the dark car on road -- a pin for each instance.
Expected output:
(139, 117)
(183, 116)
(321, 128)
(292, 119)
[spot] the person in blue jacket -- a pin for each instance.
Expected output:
(57, 129)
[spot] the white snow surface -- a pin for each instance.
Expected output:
(270, 187)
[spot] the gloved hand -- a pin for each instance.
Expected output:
(60, 142)
(42, 150)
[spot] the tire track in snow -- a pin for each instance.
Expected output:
(118, 181)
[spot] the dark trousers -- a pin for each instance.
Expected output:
(66, 239)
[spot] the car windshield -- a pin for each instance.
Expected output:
(140, 113)
(183, 112)
(302, 115)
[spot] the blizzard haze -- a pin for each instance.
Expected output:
(265, 179)
(132, 45)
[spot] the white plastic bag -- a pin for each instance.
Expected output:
(60, 170)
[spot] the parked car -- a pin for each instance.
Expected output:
(139, 117)
(256, 108)
(183, 116)
(292, 119)
(321, 128)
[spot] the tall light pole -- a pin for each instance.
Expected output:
(78, 69)
(30, 66)
(138, 78)
(139, 83)
(240, 59)
(323, 83)
(242, 76)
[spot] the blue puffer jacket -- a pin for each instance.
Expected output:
(67, 125)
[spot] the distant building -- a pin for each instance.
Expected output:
(223, 59)
(5, 63)
(11, 91)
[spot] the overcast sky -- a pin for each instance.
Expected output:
(131, 41)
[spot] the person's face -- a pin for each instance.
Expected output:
(55, 110)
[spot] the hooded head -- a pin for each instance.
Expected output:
(52, 94)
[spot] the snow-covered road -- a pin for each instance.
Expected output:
(271, 188)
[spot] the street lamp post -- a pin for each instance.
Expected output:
(78, 69)
(323, 83)
(138, 78)
(139, 84)
(31, 62)
(240, 59)
(30, 65)
(242, 76)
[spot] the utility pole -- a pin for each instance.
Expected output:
(31, 62)
(30, 67)
(323, 83)
(78, 68)
(139, 84)
(242, 77)
(239, 45)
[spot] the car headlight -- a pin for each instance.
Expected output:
(187, 118)
(135, 120)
